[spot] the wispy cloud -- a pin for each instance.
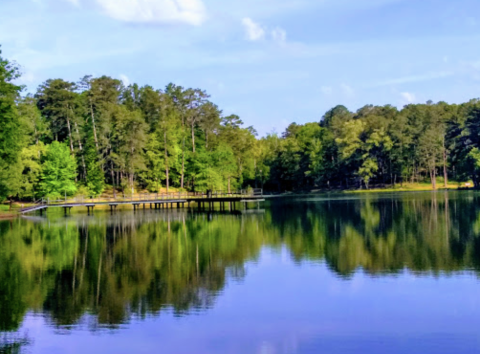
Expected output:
(74, 2)
(191, 12)
(347, 90)
(279, 35)
(326, 90)
(408, 97)
(125, 79)
(253, 31)
(415, 78)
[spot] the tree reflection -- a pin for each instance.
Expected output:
(137, 265)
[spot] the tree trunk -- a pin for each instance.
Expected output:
(70, 134)
(445, 173)
(132, 173)
(183, 164)
(433, 177)
(93, 124)
(81, 150)
(113, 181)
(193, 137)
(166, 160)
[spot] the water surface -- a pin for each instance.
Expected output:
(387, 273)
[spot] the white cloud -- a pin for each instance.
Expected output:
(253, 30)
(408, 97)
(347, 90)
(279, 35)
(126, 81)
(326, 90)
(192, 12)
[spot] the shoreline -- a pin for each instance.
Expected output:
(369, 191)
(7, 215)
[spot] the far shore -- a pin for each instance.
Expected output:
(7, 214)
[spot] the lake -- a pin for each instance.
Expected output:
(376, 273)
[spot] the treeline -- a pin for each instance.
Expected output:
(380, 145)
(79, 138)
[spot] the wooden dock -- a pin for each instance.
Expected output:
(156, 201)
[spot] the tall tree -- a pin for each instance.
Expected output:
(56, 101)
(11, 132)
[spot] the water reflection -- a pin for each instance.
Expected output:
(115, 267)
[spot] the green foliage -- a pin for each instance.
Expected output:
(95, 180)
(31, 158)
(141, 138)
(58, 172)
(11, 135)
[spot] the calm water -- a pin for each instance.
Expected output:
(376, 274)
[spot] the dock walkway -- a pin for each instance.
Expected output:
(155, 201)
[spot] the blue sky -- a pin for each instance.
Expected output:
(270, 61)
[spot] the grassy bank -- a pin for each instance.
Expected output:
(411, 187)
(6, 213)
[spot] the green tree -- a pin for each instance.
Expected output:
(58, 171)
(31, 158)
(11, 135)
(94, 177)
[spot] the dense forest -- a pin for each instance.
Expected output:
(84, 137)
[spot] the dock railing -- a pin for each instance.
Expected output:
(151, 197)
